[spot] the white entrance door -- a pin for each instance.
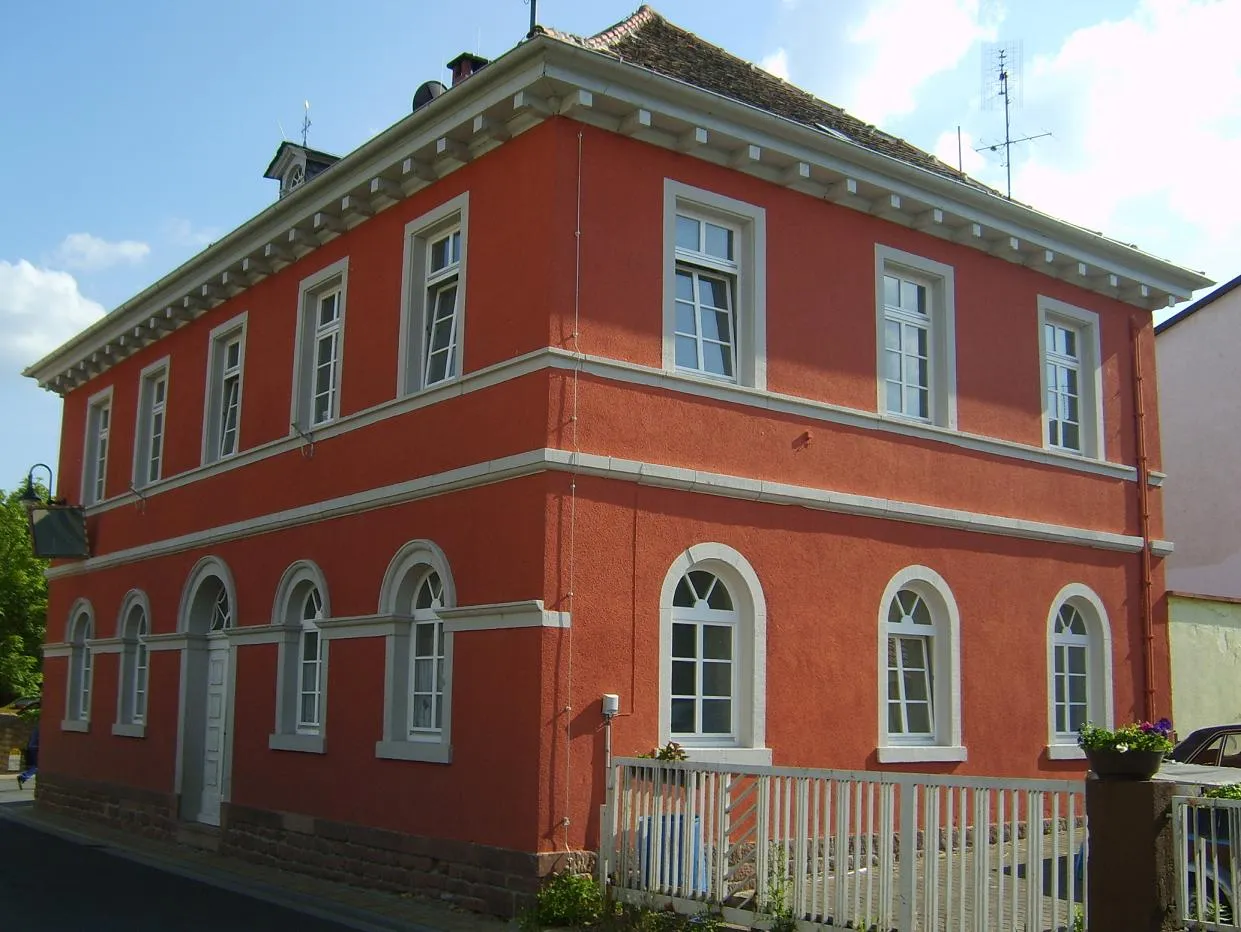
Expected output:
(216, 722)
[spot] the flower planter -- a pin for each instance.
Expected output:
(1124, 765)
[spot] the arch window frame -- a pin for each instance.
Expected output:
(940, 671)
(299, 586)
(405, 575)
(133, 686)
(80, 631)
(747, 618)
(1100, 707)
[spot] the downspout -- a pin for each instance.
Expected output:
(1144, 517)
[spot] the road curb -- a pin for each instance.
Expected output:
(354, 917)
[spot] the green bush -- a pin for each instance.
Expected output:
(566, 900)
(1231, 791)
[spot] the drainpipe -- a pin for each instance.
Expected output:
(1144, 517)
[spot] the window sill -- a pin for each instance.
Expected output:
(760, 757)
(915, 753)
(431, 752)
(75, 724)
(306, 744)
(129, 730)
(1065, 752)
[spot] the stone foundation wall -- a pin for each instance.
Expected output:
(14, 733)
(491, 880)
(142, 811)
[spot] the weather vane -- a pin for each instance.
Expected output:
(306, 123)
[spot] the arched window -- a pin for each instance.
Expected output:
(418, 704)
(301, 604)
(713, 656)
(427, 675)
(81, 631)
(1079, 668)
(919, 670)
(135, 626)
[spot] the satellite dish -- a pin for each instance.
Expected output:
(426, 93)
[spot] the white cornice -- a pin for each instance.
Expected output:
(542, 77)
(654, 474)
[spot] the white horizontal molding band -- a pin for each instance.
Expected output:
(527, 614)
(106, 646)
(129, 730)
(57, 650)
(175, 640)
(1162, 548)
(363, 626)
(630, 373)
(257, 634)
(545, 459)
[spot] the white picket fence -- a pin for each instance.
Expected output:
(1205, 836)
(846, 849)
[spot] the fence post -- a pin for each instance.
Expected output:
(907, 855)
(1131, 859)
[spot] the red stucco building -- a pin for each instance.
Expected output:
(621, 367)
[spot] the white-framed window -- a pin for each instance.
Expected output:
(310, 665)
(1079, 668)
(152, 423)
(919, 670)
(226, 360)
(1071, 378)
(134, 628)
(713, 656)
(82, 630)
(715, 310)
(418, 700)
(301, 678)
(915, 300)
(433, 296)
(95, 451)
(319, 351)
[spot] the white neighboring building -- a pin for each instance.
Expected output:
(1199, 359)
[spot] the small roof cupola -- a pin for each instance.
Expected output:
(294, 165)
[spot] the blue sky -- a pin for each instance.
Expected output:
(140, 131)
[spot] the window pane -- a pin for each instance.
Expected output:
(327, 308)
(310, 711)
(683, 679)
(891, 291)
(717, 642)
(913, 655)
(717, 325)
(1077, 717)
(1072, 436)
(717, 359)
(717, 679)
(1070, 343)
(915, 685)
(687, 233)
(894, 718)
(713, 292)
(685, 286)
(424, 639)
(1077, 689)
(683, 716)
(439, 254)
(687, 353)
(894, 396)
(892, 366)
(719, 599)
(684, 641)
(310, 645)
(717, 716)
(687, 320)
(424, 675)
(891, 335)
(684, 596)
(232, 355)
(719, 242)
(422, 712)
(919, 716)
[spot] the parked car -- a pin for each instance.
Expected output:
(28, 702)
(1214, 746)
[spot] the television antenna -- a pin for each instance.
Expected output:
(1002, 83)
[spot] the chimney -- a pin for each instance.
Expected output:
(465, 65)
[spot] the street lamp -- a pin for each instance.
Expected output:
(30, 495)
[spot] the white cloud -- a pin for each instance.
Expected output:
(1147, 119)
(39, 310)
(907, 42)
(184, 233)
(89, 253)
(776, 63)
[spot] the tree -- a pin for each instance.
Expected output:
(23, 603)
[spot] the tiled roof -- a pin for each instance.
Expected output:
(648, 40)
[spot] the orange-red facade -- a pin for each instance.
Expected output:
(527, 738)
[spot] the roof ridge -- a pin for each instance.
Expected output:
(604, 38)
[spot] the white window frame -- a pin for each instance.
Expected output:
(331, 279)
(1090, 374)
(292, 734)
(747, 744)
(133, 684)
(78, 683)
(749, 225)
(213, 405)
(148, 446)
(97, 447)
(945, 658)
(417, 283)
(396, 598)
(940, 281)
(1100, 704)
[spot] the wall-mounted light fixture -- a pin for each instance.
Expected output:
(57, 529)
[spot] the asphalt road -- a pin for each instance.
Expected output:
(52, 885)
